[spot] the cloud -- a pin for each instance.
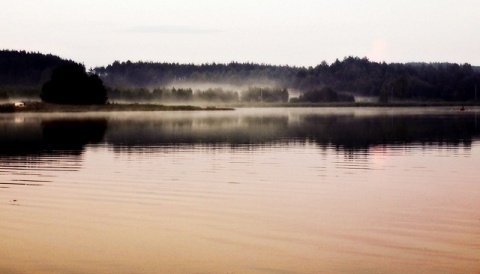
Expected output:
(171, 29)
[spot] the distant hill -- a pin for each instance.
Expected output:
(353, 75)
(150, 75)
(21, 68)
(23, 73)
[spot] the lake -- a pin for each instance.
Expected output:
(274, 190)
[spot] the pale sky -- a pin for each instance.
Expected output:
(296, 32)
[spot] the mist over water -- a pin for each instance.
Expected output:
(225, 86)
(310, 190)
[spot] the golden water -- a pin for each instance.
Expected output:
(242, 192)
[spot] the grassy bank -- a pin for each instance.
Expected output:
(45, 107)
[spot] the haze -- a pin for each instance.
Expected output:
(298, 33)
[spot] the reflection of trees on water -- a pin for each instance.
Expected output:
(50, 136)
(234, 131)
(363, 132)
(345, 132)
(28, 148)
(72, 135)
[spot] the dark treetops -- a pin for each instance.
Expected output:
(71, 84)
(23, 73)
(352, 75)
(32, 69)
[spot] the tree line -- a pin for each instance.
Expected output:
(352, 75)
(22, 68)
(30, 75)
(149, 74)
(22, 74)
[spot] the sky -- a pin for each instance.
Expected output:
(278, 32)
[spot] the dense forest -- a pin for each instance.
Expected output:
(27, 68)
(352, 75)
(24, 72)
(70, 84)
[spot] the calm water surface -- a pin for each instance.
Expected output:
(245, 191)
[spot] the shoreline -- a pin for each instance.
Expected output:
(358, 104)
(40, 107)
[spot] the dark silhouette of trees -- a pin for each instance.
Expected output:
(217, 95)
(325, 94)
(70, 84)
(23, 68)
(22, 75)
(3, 95)
(257, 94)
(148, 74)
(352, 75)
(411, 81)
